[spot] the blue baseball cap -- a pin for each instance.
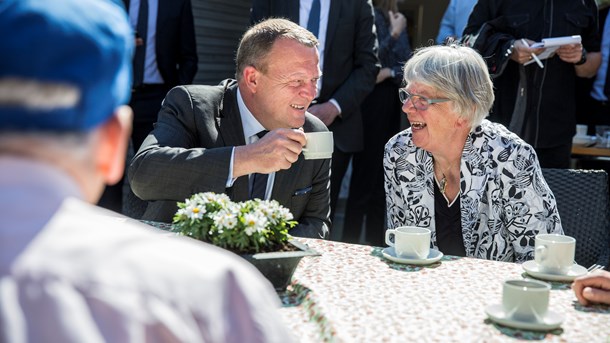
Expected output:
(65, 65)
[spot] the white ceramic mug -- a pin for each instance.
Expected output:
(409, 241)
(525, 300)
(319, 145)
(581, 130)
(554, 254)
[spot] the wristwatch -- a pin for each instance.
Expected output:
(583, 58)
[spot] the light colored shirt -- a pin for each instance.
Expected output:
(72, 272)
(455, 19)
(152, 75)
(304, 9)
(251, 127)
(597, 91)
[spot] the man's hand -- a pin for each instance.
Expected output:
(523, 53)
(277, 150)
(326, 112)
(570, 53)
(593, 288)
(398, 23)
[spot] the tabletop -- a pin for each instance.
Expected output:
(593, 151)
(350, 293)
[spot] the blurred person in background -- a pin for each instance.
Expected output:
(454, 20)
(71, 271)
(381, 117)
(537, 103)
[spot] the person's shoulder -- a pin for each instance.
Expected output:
(111, 244)
(207, 90)
(499, 135)
(402, 138)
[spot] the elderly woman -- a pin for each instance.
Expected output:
(477, 186)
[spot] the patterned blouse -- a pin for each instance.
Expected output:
(505, 201)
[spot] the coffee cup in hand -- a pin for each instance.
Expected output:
(319, 145)
(554, 254)
(409, 241)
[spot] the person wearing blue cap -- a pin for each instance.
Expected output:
(71, 271)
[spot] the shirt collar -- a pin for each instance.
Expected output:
(250, 125)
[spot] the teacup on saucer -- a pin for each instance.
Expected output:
(433, 256)
(550, 321)
(532, 268)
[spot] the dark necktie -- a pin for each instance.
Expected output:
(259, 181)
(313, 23)
(140, 53)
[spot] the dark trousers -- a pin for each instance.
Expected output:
(555, 157)
(338, 167)
(381, 118)
(146, 103)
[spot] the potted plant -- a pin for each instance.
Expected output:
(255, 229)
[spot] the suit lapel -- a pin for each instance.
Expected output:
(231, 132)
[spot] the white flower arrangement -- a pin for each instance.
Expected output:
(243, 227)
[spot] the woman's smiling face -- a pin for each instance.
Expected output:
(435, 126)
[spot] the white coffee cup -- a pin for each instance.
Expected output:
(554, 254)
(525, 300)
(319, 145)
(409, 241)
(581, 130)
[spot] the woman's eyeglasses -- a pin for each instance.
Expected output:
(420, 102)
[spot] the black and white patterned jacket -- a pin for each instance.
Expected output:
(505, 201)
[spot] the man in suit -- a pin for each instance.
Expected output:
(165, 56)
(348, 46)
(167, 44)
(207, 137)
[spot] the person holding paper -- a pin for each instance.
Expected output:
(537, 101)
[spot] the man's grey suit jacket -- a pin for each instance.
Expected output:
(189, 151)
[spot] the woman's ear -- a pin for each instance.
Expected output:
(112, 146)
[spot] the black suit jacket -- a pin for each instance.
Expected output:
(189, 151)
(175, 45)
(350, 60)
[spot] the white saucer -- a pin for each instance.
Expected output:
(433, 256)
(532, 269)
(552, 320)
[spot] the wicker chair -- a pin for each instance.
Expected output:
(584, 208)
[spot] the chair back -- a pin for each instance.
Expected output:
(583, 206)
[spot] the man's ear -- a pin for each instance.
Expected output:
(251, 78)
(112, 146)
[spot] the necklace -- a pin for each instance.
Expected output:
(443, 181)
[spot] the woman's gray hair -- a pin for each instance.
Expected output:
(457, 73)
(256, 43)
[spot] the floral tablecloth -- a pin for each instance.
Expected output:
(352, 294)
